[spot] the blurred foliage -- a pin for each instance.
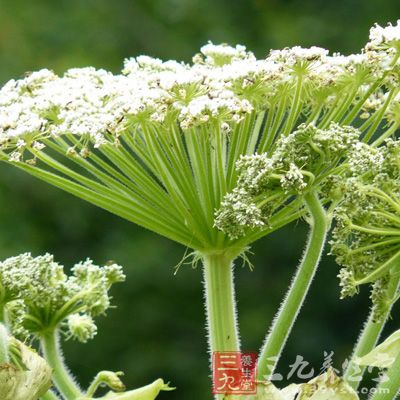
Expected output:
(158, 328)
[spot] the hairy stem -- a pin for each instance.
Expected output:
(368, 340)
(50, 396)
(388, 389)
(293, 302)
(61, 376)
(220, 304)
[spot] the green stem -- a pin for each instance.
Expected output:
(290, 308)
(389, 388)
(49, 396)
(393, 128)
(220, 303)
(2, 312)
(61, 376)
(368, 339)
(221, 309)
(381, 271)
(3, 344)
(294, 112)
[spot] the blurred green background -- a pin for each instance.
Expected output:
(158, 328)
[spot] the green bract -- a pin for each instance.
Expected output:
(383, 355)
(327, 386)
(27, 381)
(112, 380)
(149, 392)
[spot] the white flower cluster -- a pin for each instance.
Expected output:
(294, 55)
(384, 35)
(238, 213)
(293, 179)
(92, 108)
(364, 159)
(217, 55)
(29, 285)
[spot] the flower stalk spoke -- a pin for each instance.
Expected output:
(290, 308)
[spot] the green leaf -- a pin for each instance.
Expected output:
(384, 354)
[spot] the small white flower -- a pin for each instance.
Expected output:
(15, 156)
(20, 143)
(379, 35)
(38, 146)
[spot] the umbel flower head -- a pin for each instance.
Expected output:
(37, 295)
(366, 237)
(158, 144)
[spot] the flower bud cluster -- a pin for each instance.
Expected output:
(37, 295)
(299, 162)
(366, 237)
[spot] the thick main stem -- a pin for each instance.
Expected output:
(220, 303)
(368, 340)
(293, 302)
(61, 376)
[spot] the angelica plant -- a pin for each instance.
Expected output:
(39, 301)
(158, 145)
